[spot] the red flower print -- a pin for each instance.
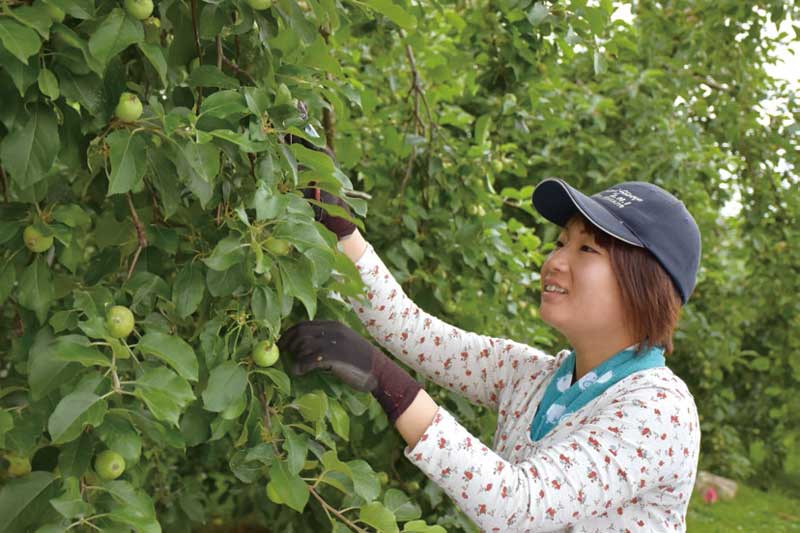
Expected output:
(437, 341)
(482, 509)
(485, 352)
(468, 474)
(488, 487)
(514, 364)
(464, 356)
(550, 512)
(421, 358)
(447, 364)
(556, 484)
(619, 414)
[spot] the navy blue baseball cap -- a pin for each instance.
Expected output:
(635, 212)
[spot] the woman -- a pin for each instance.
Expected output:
(599, 438)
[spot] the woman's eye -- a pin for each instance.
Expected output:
(589, 248)
(559, 244)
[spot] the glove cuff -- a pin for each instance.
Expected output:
(396, 389)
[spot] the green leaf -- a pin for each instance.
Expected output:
(378, 516)
(200, 161)
(134, 507)
(18, 39)
(365, 481)
(19, 498)
(187, 292)
(296, 275)
(28, 152)
(46, 372)
(48, 84)
(76, 456)
(114, 34)
(75, 411)
(340, 420)
(166, 394)
(226, 384)
(118, 434)
(289, 487)
(128, 161)
(8, 276)
(228, 252)
(155, 55)
(78, 349)
(240, 140)
(297, 447)
(35, 17)
(266, 310)
(211, 76)
(393, 12)
(279, 378)
(419, 526)
(86, 90)
(312, 406)
(401, 506)
(72, 215)
(80, 9)
(222, 104)
(172, 350)
(302, 234)
(36, 290)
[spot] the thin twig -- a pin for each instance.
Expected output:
(267, 422)
(140, 235)
(193, 4)
(238, 70)
(339, 515)
(5, 186)
(219, 52)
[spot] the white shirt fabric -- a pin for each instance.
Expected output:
(626, 461)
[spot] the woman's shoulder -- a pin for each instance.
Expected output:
(657, 386)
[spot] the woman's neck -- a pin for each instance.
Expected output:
(592, 354)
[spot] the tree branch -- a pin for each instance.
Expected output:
(140, 236)
(339, 515)
(193, 5)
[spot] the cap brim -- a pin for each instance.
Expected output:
(558, 202)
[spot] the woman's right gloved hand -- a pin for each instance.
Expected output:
(338, 225)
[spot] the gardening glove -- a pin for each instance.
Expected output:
(338, 225)
(330, 345)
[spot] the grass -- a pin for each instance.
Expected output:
(752, 510)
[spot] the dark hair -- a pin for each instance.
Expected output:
(652, 302)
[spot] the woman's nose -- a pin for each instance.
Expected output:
(555, 262)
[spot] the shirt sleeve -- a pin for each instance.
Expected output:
(645, 440)
(476, 366)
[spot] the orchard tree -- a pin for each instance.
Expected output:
(155, 239)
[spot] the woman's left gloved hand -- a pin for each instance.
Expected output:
(330, 345)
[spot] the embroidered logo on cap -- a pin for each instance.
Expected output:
(618, 197)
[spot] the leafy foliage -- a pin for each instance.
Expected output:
(447, 115)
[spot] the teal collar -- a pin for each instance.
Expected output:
(563, 397)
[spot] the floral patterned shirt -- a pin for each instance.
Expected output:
(625, 461)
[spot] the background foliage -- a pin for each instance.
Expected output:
(446, 114)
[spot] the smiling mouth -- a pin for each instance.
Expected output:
(549, 288)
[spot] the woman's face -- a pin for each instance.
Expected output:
(586, 301)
